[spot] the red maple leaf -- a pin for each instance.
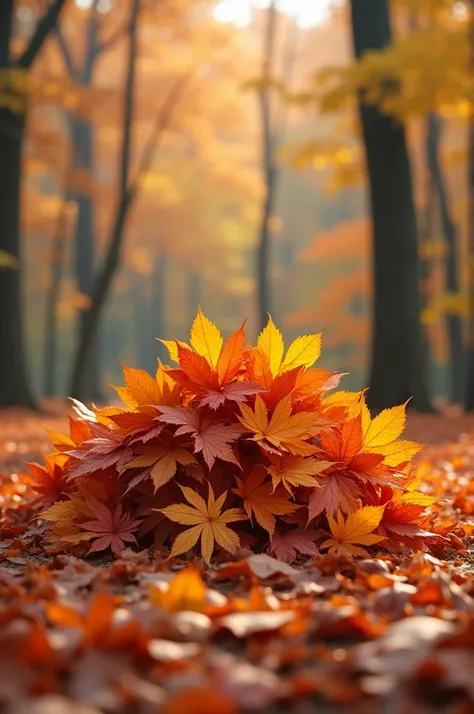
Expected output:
(113, 528)
(50, 480)
(336, 491)
(286, 545)
(105, 449)
(211, 437)
(214, 387)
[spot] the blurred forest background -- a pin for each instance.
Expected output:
(160, 154)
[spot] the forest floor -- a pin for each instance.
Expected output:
(142, 634)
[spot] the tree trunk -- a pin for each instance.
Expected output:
(51, 322)
(158, 305)
(399, 369)
(194, 293)
(90, 327)
(453, 322)
(84, 244)
(469, 393)
(269, 172)
(14, 386)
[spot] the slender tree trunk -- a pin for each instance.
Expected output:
(426, 234)
(158, 304)
(84, 243)
(90, 327)
(52, 298)
(14, 386)
(269, 172)
(194, 293)
(469, 390)
(14, 382)
(399, 369)
(453, 322)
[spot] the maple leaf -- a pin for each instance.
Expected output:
(283, 431)
(270, 342)
(310, 381)
(103, 450)
(50, 480)
(293, 471)
(384, 428)
(212, 438)
(213, 388)
(142, 388)
(206, 338)
(172, 347)
(164, 458)
(231, 357)
(261, 500)
(112, 528)
(336, 491)
(234, 392)
(356, 530)
(303, 352)
(286, 545)
(207, 521)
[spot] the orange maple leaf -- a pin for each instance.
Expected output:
(283, 431)
(163, 457)
(293, 471)
(260, 499)
(356, 530)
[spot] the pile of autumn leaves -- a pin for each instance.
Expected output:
(238, 446)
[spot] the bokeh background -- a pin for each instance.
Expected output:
(166, 139)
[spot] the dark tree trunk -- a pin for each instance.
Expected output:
(52, 298)
(14, 383)
(14, 386)
(84, 244)
(90, 327)
(399, 369)
(469, 391)
(269, 172)
(453, 322)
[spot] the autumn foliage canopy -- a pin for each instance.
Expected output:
(236, 446)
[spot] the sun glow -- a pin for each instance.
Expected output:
(239, 12)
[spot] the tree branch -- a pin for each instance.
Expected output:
(67, 57)
(114, 37)
(43, 29)
(161, 124)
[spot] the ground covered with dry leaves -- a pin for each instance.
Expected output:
(146, 634)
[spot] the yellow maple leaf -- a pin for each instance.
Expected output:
(270, 342)
(206, 339)
(303, 352)
(397, 453)
(164, 460)
(284, 430)
(172, 347)
(384, 428)
(293, 471)
(207, 521)
(349, 535)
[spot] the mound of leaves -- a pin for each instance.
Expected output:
(237, 446)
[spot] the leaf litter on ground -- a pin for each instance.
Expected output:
(145, 633)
